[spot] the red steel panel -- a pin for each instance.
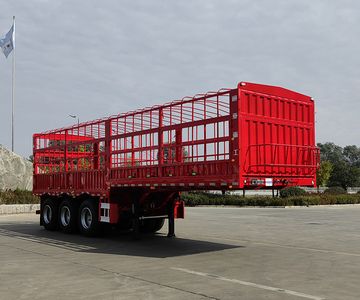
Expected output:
(219, 140)
(277, 138)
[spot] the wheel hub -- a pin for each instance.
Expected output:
(65, 216)
(86, 218)
(47, 214)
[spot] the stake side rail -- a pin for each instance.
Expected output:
(182, 144)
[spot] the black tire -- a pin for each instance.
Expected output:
(88, 218)
(49, 214)
(68, 214)
(151, 225)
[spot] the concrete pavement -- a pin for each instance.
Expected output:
(219, 253)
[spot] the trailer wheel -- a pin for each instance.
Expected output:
(88, 221)
(49, 214)
(151, 225)
(68, 216)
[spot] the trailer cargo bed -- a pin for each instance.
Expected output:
(253, 136)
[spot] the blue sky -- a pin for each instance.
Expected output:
(98, 58)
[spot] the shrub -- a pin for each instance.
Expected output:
(335, 190)
(201, 198)
(18, 197)
(292, 191)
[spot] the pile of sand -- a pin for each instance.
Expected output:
(15, 171)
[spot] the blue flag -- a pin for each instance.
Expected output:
(7, 43)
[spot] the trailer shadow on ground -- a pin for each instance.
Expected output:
(117, 243)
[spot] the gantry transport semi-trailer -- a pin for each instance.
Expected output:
(129, 169)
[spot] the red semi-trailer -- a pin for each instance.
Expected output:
(129, 169)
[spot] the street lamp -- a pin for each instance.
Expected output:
(75, 117)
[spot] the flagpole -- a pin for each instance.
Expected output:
(13, 89)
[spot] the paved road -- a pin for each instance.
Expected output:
(220, 253)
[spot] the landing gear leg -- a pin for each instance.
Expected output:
(171, 227)
(136, 220)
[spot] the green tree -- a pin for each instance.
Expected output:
(323, 173)
(345, 175)
(331, 152)
(346, 164)
(352, 155)
(354, 176)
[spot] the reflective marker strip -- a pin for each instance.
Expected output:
(105, 206)
(105, 219)
(268, 181)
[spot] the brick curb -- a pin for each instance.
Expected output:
(8, 209)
